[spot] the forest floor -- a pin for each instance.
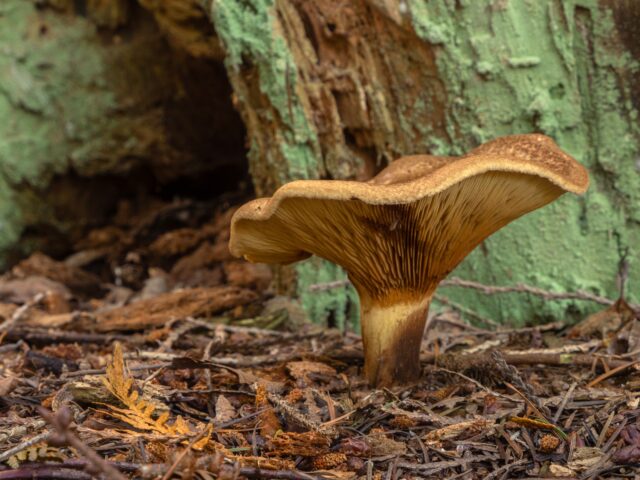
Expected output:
(151, 353)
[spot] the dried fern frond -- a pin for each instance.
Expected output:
(138, 412)
(34, 453)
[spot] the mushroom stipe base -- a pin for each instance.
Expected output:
(392, 337)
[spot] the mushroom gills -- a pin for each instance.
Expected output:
(399, 234)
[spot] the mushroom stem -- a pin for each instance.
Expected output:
(392, 335)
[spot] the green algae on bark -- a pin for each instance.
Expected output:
(491, 68)
(574, 91)
(92, 112)
(49, 68)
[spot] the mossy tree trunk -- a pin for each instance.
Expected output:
(337, 89)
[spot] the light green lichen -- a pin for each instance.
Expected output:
(50, 68)
(537, 63)
(72, 99)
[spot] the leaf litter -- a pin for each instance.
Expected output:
(150, 353)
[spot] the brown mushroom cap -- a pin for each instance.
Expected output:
(402, 232)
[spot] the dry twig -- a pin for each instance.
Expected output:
(61, 422)
(20, 313)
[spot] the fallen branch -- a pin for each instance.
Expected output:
(494, 289)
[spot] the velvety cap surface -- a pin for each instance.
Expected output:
(404, 230)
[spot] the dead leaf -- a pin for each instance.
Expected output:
(380, 445)
(24, 289)
(557, 470)
(7, 384)
(302, 371)
(224, 410)
(627, 455)
(138, 412)
(585, 457)
(457, 430)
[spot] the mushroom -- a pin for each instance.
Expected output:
(400, 233)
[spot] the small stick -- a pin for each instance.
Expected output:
(47, 336)
(206, 356)
(565, 400)
(235, 329)
(564, 357)
(102, 371)
(184, 452)
(605, 427)
(528, 402)
(615, 435)
(465, 310)
(322, 287)
(506, 468)
(522, 288)
(256, 472)
(623, 271)
(20, 313)
(65, 470)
